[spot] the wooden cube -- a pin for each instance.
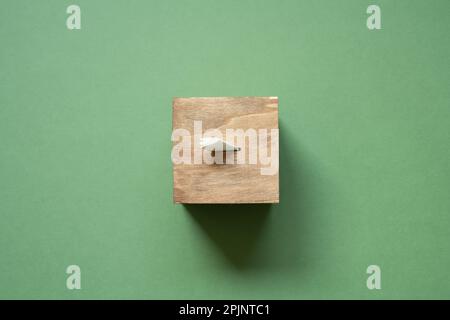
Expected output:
(226, 182)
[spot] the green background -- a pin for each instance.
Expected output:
(85, 169)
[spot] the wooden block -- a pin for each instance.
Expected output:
(228, 182)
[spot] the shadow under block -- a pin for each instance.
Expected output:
(226, 183)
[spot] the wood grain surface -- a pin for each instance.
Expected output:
(225, 183)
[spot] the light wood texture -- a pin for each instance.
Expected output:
(225, 183)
